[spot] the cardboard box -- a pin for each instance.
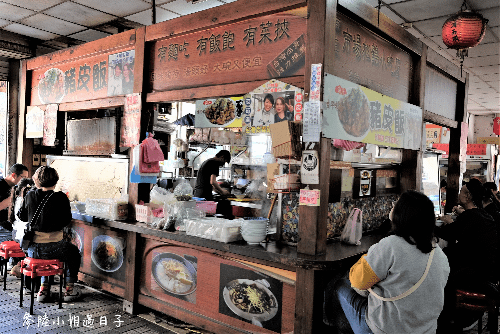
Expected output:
(272, 170)
(285, 138)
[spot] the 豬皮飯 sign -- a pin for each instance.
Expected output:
(356, 113)
(100, 76)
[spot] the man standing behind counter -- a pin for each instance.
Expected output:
(14, 175)
(207, 176)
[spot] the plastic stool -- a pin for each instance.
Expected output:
(485, 300)
(9, 249)
(38, 268)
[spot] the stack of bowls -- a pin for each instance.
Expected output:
(254, 230)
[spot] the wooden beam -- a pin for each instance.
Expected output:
(108, 102)
(439, 120)
(233, 89)
(448, 68)
(378, 21)
(90, 49)
(24, 145)
(217, 16)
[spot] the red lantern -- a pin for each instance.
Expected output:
(463, 30)
(496, 125)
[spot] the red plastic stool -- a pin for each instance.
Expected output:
(38, 268)
(9, 249)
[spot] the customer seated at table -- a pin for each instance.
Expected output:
(391, 268)
(54, 214)
(472, 250)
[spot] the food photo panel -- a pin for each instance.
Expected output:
(108, 254)
(250, 296)
(174, 275)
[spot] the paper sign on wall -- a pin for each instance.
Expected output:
(309, 168)
(50, 125)
(131, 121)
(309, 197)
(34, 122)
(311, 123)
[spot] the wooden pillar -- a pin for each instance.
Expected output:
(313, 220)
(453, 187)
(411, 164)
(24, 145)
(13, 112)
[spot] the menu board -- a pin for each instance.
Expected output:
(353, 112)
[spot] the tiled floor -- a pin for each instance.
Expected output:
(96, 312)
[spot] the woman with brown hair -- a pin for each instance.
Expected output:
(54, 213)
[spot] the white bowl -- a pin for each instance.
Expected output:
(260, 230)
(253, 240)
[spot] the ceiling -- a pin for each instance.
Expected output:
(57, 24)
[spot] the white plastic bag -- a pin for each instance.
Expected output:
(183, 191)
(353, 228)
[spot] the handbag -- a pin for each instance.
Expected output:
(410, 290)
(353, 228)
(29, 234)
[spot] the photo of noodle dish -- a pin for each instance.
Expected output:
(251, 300)
(354, 112)
(174, 274)
(107, 253)
(221, 112)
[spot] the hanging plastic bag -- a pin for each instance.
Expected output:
(183, 191)
(353, 228)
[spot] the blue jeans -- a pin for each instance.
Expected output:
(62, 250)
(347, 298)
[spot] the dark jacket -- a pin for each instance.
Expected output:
(55, 215)
(472, 243)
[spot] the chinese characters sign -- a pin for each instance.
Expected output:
(92, 78)
(34, 122)
(131, 121)
(368, 60)
(267, 47)
(356, 113)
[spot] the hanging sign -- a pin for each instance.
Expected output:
(91, 78)
(261, 48)
(50, 125)
(131, 121)
(219, 113)
(309, 168)
(309, 197)
(34, 122)
(272, 102)
(356, 113)
(365, 183)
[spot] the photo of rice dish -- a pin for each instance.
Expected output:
(174, 274)
(221, 112)
(51, 89)
(354, 112)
